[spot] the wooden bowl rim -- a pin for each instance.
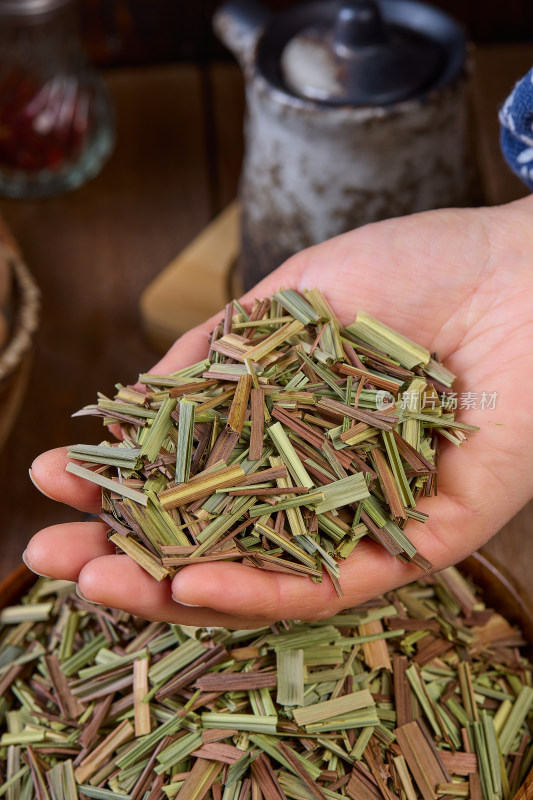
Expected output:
(27, 313)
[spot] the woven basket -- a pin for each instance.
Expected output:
(16, 357)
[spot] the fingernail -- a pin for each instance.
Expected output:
(32, 479)
(86, 599)
(180, 584)
(26, 561)
(188, 605)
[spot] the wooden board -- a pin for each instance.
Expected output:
(196, 284)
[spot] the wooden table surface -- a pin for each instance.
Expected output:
(93, 252)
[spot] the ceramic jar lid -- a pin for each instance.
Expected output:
(365, 52)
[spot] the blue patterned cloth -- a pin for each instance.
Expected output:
(516, 137)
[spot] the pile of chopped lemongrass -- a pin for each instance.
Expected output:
(419, 695)
(293, 440)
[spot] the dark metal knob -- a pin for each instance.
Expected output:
(359, 24)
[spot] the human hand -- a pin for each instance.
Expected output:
(460, 283)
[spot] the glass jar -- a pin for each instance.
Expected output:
(56, 119)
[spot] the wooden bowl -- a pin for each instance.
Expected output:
(23, 317)
(499, 588)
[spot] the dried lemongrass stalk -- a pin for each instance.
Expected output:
(382, 337)
(140, 690)
(185, 441)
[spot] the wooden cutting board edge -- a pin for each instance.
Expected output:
(196, 284)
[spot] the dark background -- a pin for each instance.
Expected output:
(121, 32)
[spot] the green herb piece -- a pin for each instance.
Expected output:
(102, 794)
(310, 499)
(123, 457)
(240, 722)
(357, 719)
(185, 440)
(361, 743)
(297, 306)
(412, 397)
(397, 468)
(201, 486)
(514, 722)
(319, 712)
(343, 492)
(323, 373)
(107, 483)
(178, 751)
(399, 347)
(100, 755)
(291, 676)
(158, 431)
(274, 340)
(405, 777)
(140, 690)
(140, 555)
(417, 686)
(36, 612)
(289, 456)
(286, 544)
(239, 404)
(438, 371)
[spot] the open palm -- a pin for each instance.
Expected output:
(459, 282)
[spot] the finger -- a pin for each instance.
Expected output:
(118, 582)
(238, 588)
(61, 551)
(48, 475)
(449, 536)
